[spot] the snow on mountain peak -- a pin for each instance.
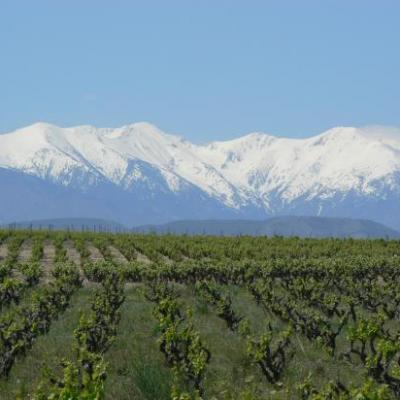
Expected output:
(250, 169)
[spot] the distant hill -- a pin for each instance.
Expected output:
(73, 224)
(302, 226)
(278, 226)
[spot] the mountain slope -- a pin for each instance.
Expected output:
(137, 174)
(280, 226)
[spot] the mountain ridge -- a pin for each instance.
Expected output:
(286, 226)
(345, 171)
(302, 226)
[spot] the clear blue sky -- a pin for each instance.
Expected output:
(208, 69)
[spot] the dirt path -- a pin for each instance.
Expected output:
(49, 253)
(143, 258)
(95, 254)
(166, 260)
(25, 252)
(72, 253)
(117, 255)
(3, 251)
(74, 257)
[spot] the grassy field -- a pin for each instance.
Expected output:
(240, 318)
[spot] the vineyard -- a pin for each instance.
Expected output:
(129, 316)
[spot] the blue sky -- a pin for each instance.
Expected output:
(204, 69)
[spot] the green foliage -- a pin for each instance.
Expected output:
(85, 378)
(32, 272)
(10, 291)
(179, 341)
(369, 390)
(37, 248)
(81, 381)
(20, 327)
(331, 307)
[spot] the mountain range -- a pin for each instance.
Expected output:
(138, 175)
(301, 226)
(317, 227)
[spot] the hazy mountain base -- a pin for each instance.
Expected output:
(280, 226)
(318, 227)
(25, 198)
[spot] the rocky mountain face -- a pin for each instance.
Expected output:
(138, 174)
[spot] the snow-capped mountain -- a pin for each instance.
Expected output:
(138, 174)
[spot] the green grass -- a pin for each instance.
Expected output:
(136, 367)
(46, 352)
